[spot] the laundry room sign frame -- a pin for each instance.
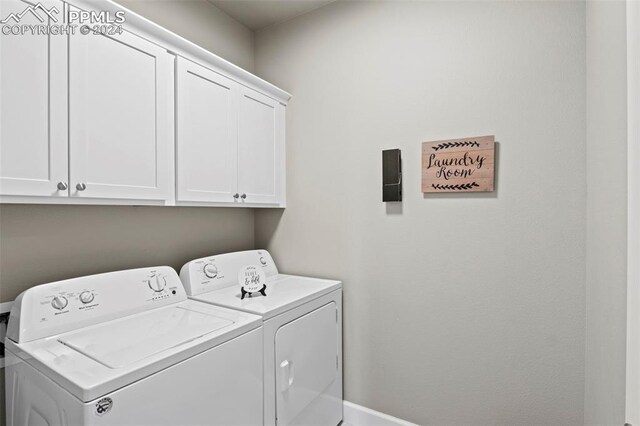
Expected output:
(459, 165)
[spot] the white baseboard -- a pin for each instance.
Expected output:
(357, 415)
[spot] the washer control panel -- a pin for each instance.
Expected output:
(62, 306)
(215, 272)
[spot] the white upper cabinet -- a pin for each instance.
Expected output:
(120, 96)
(131, 115)
(33, 109)
(206, 149)
(229, 141)
(260, 148)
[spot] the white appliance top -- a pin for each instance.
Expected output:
(135, 324)
(284, 292)
(119, 343)
(62, 306)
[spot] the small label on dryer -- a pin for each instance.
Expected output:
(104, 406)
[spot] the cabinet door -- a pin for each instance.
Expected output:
(260, 148)
(205, 135)
(33, 104)
(120, 115)
(306, 361)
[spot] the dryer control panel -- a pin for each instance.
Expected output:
(215, 272)
(62, 306)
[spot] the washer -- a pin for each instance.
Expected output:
(127, 348)
(302, 333)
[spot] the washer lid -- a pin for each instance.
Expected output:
(284, 292)
(122, 342)
(92, 361)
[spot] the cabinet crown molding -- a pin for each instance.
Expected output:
(182, 47)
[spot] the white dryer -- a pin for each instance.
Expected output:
(127, 348)
(302, 333)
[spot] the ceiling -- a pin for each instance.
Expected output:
(259, 14)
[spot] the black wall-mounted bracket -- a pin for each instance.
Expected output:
(391, 175)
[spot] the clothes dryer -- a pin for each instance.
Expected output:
(302, 333)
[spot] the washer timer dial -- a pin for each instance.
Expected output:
(157, 283)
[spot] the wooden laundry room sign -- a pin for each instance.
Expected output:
(459, 165)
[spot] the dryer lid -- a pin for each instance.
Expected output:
(123, 342)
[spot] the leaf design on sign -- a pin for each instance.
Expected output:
(458, 187)
(446, 145)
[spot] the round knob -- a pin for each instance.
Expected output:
(86, 297)
(157, 283)
(62, 186)
(243, 196)
(59, 302)
(210, 270)
(263, 260)
(236, 195)
(81, 186)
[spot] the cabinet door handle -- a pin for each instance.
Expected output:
(81, 186)
(236, 195)
(243, 196)
(62, 186)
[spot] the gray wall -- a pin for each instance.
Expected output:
(606, 213)
(41, 244)
(44, 243)
(458, 309)
(201, 23)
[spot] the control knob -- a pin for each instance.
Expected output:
(263, 260)
(157, 283)
(86, 297)
(210, 270)
(59, 302)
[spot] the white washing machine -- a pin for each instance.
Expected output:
(129, 348)
(302, 333)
